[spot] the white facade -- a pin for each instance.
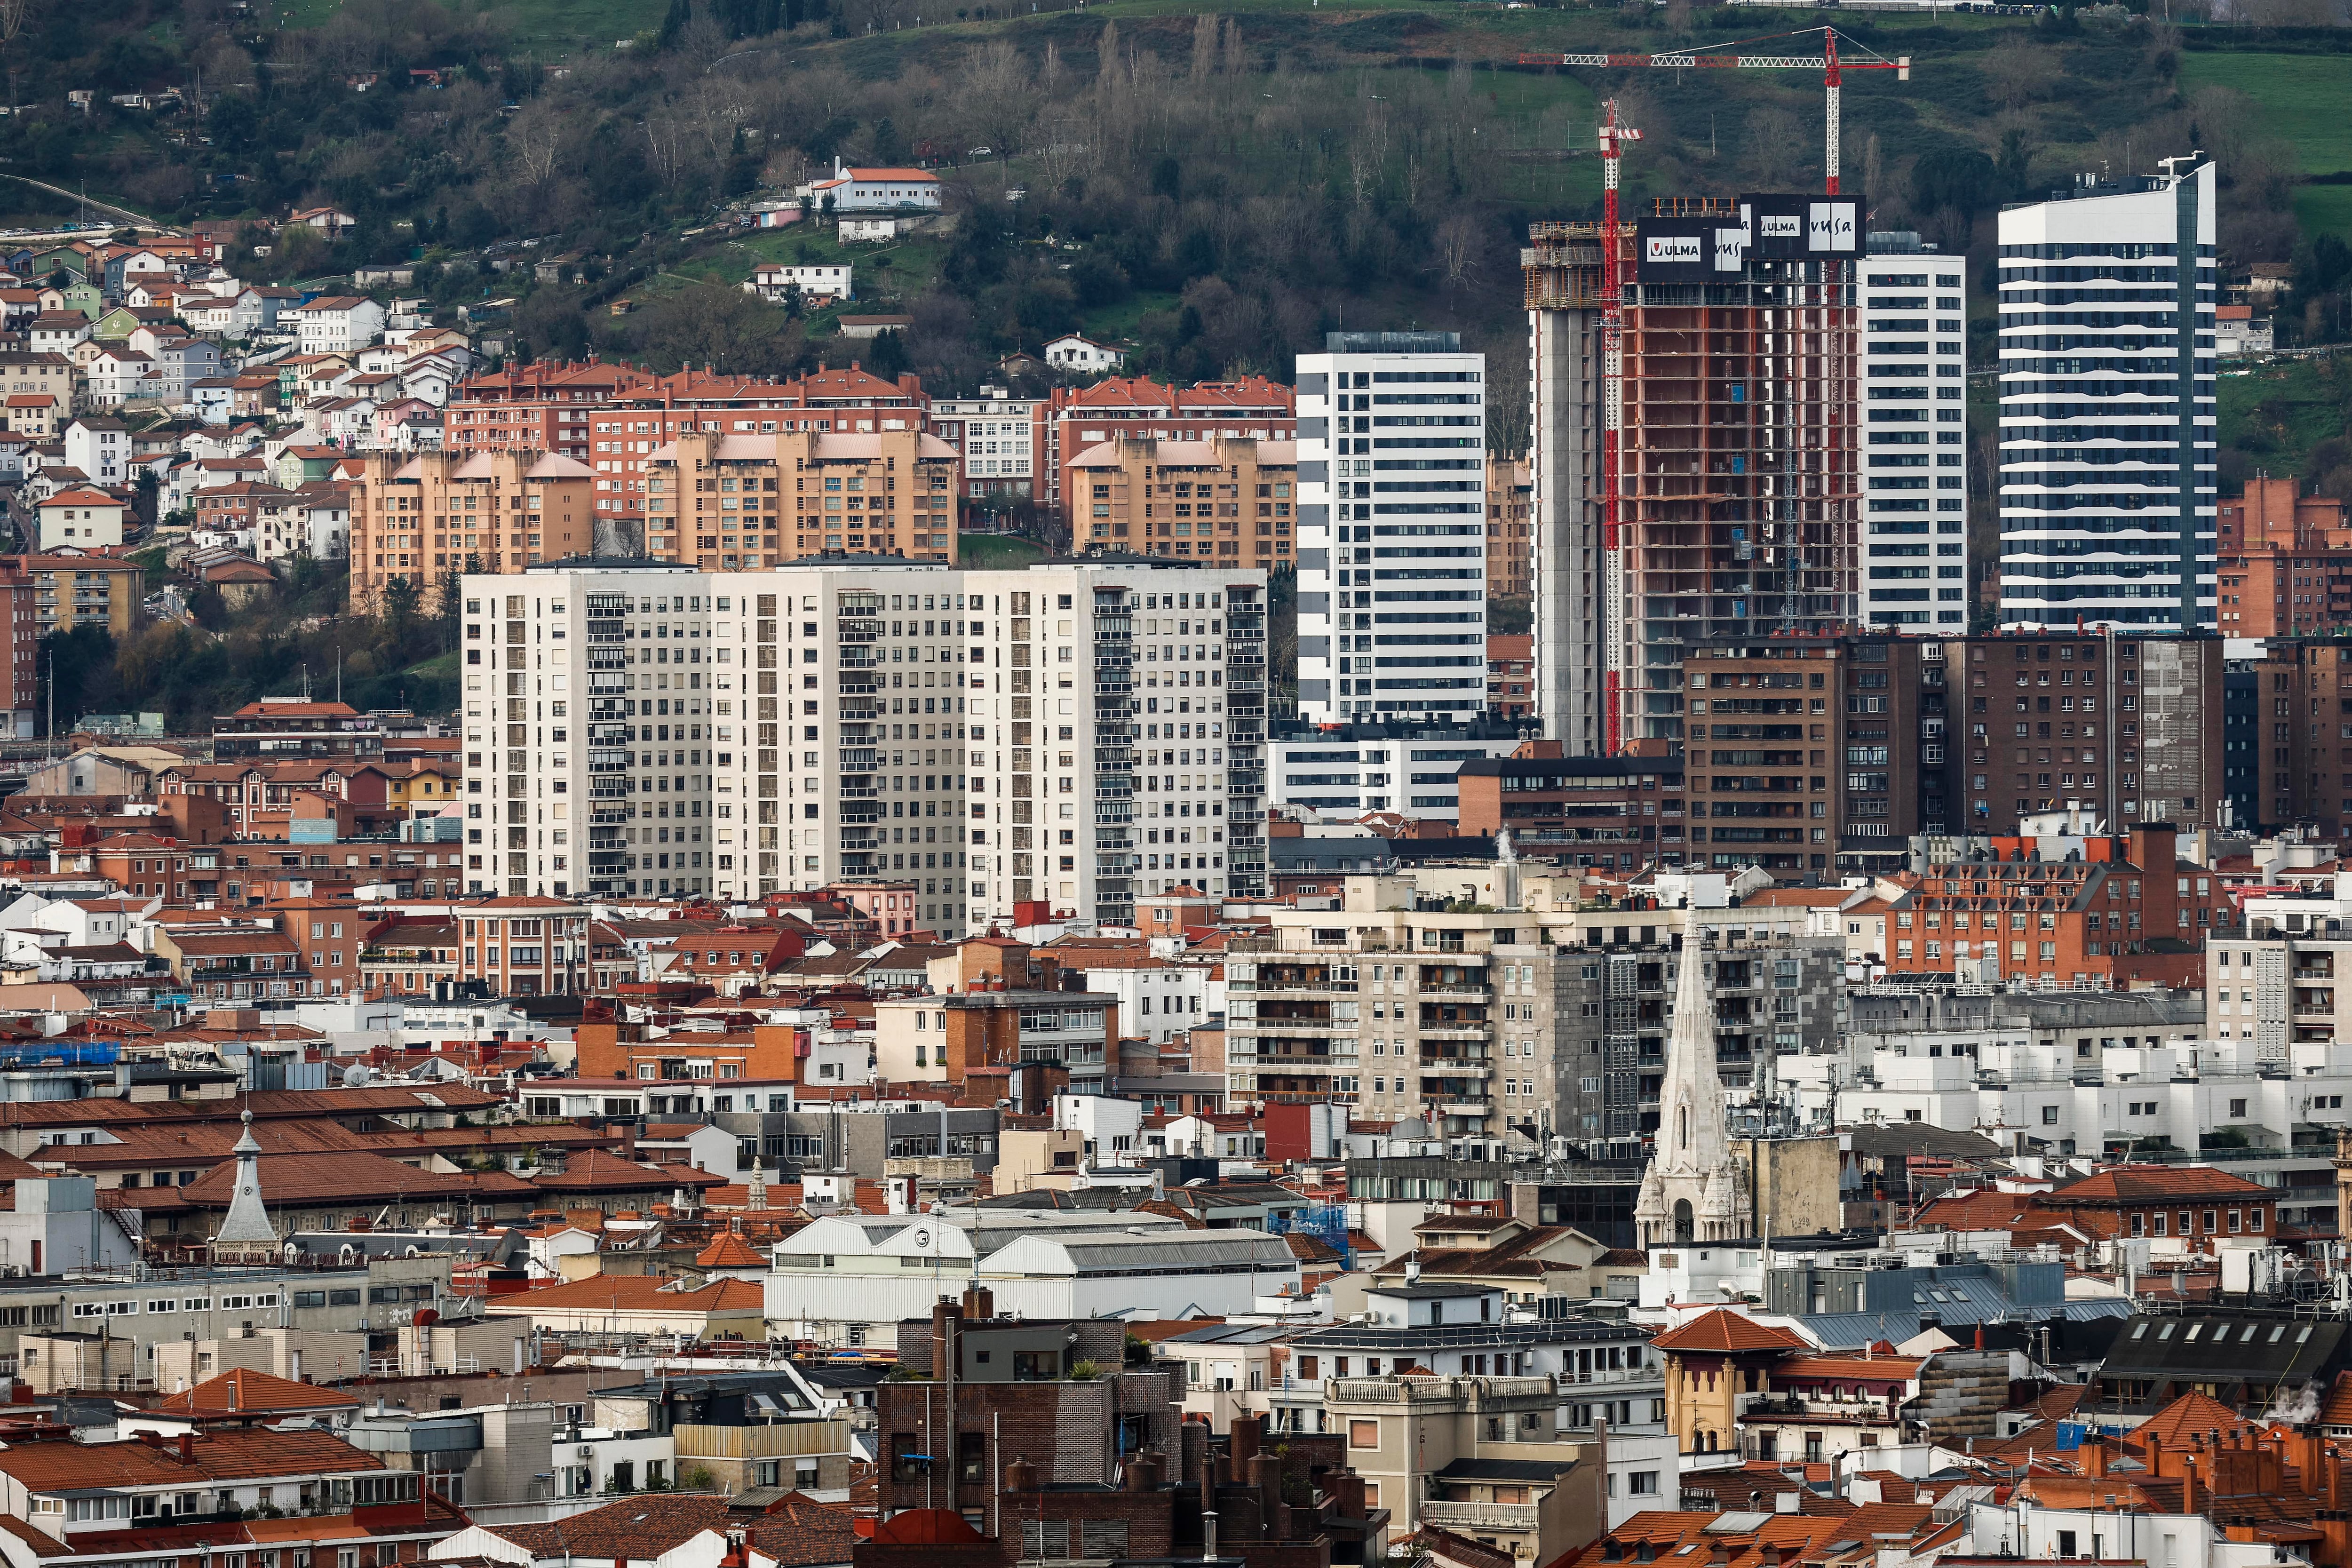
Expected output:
(746, 734)
(1082, 355)
(876, 189)
(1195, 1273)
(826, 282)
(99, 448)
(1915, 462)
(1392, 528)
(2094, 428)
(1156, 1001)
(338, 325)
(995, 435)
(1412, 776)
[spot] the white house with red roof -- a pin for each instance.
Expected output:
(81, 518)
(876, 189)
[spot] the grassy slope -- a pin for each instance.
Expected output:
(2302, 96)
(998, 551)
(2278, 412)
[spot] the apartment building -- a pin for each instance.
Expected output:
(1510, 527)
(419, 516)
(2138, 737)
(1797, 751)
(2112, 912)
(996, 437)
(1915, 479)
(2290, 735)
(1392, 522)
(1351, 768)
(2107, 413)
(2284, 562)
(616, 416)
(1614, 813)
(977, 734)
(1072, 420)
(743, 502)
(1233, 500)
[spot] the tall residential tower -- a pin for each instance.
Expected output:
(2107, 413)
(1391, 529)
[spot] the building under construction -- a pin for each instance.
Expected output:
(1736, 493)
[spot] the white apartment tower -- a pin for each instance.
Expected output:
(2107, 414)
(1067, 736)
(1915, 463)
(1391, 529)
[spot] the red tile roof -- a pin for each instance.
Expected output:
(248, 1393)
(1724, 1332)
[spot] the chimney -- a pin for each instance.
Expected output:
(2189, 1483)
(1266, 1478)
(1208, 1535)
(1245, 1446)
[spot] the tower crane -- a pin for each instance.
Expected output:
(1616, 618)
(1720, 56)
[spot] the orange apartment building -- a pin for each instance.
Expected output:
(615, 416)
(1074, 420)
(768, 1053)
(1510, 675)
(2127, 912)
(949, 1038)
(421, 515)
(1510, 517)
(722, 503)
(1230, 498)
(2285, 562)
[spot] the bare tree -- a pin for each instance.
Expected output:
(1776, 148)
(2019, 72)
(534, 135)
(1460, 251)
(1205, 46)
(15, 16)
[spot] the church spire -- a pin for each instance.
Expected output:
(755, 1190)
(246, 1234)
(1693, 1189)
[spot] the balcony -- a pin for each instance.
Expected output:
(1469, 1516)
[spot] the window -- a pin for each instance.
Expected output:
(1643, 1483)
(1363, 1434)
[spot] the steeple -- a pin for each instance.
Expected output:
(1694, 1190)
(246, 1234)
(755, 1190)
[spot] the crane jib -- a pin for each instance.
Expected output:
(1744, 62)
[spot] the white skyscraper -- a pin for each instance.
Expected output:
(1915, 460)
(2107, 442)
(1391, 529)
(1067, 736)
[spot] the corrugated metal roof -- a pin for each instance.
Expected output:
(1851, 1330)
(1181, 1252)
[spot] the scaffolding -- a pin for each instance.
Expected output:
(1738, 483)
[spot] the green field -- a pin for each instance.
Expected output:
(2302, 99)
(2325, 209)
(997, 552)
(2276, 412)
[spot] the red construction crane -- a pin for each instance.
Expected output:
(1721, 56)
(1615, 613)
